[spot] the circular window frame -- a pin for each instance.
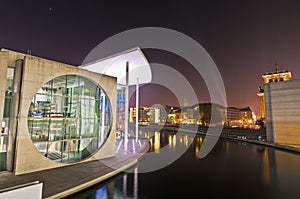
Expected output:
(108, 120)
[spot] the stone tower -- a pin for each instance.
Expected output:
(270, 77)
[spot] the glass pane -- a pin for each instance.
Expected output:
(6, 118)
(69, 118)
(3, 143)
(38, 129)
(71, 128)
(56, 129)
(41, 146)
(54, 151)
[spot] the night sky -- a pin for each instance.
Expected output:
(244, 38)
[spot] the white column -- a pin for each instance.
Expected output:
(126, 107)
(103, 117)
(137, 111)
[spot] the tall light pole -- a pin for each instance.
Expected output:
(137, 110)
(126, 107)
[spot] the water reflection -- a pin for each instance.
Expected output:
(197, 144)
(235, 169)
(124, 186)
(266, 167)
(156, 142)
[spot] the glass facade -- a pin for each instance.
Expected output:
(6, 115)
(120, 108)
(69, 118)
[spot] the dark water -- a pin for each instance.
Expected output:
(233, 169)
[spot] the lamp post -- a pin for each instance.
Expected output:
(137, 110)
(126, 107)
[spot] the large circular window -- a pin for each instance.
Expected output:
(69, 118)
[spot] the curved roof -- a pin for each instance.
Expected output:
(115, 65)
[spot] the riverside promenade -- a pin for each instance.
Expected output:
(65, 181)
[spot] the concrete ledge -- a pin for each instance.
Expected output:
(277, 146)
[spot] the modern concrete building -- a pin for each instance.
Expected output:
(279, 103)
(282, 102)
(53, 114)
(136, 72)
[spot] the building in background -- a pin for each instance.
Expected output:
(240, 117)
(209, 114)
(173, 114)
(277, 76)
(154, 115)
(269, 77)
(232, 117)
(281, 97)
(246, 117)
(282, 101)
(262, 109)
(200, 113)
(187, 115)
(147, 115)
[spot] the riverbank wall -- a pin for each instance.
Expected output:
(254, 136)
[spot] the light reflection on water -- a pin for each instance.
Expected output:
(233, 168)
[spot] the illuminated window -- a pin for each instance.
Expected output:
(69, 118)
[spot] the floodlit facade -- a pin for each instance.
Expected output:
(53, 114)
(246, 116)
(269, 77)
(232, 117)
(282, 101)
(279, 99)
(197, 114)
(147, 115)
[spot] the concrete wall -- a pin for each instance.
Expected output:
(13, 60)
(3, 74)
(36, 72)
(282, 100)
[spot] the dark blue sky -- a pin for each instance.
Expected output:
(244, 38)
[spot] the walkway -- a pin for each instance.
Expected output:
(64, 181)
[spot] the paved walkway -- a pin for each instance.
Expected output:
(64, 181)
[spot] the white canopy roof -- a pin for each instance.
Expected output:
(115, 66)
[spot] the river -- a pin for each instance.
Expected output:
(233, 169)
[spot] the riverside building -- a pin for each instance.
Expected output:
(53, 114)
(280, 102)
